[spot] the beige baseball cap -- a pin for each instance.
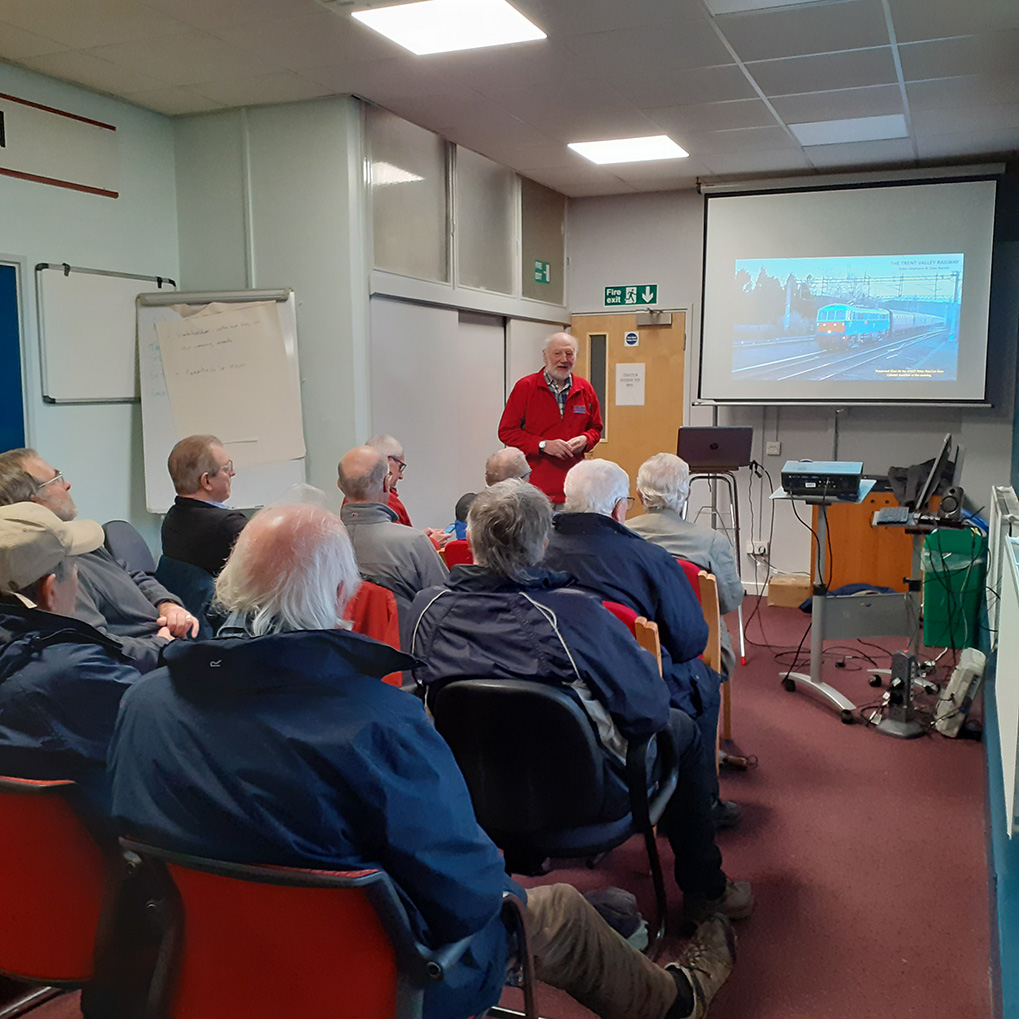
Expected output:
(34, 541)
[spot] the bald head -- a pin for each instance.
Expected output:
(506, 464)
(292, 569)
(362, 474)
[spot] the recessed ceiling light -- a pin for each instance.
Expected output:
(630, 150)
(441, 26)
(855, 129)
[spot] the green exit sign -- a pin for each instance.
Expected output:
(643, 293)
(542, 272)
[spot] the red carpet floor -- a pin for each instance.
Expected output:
(866, 853)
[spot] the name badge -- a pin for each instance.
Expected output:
(580, 410)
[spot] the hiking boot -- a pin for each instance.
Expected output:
(726, 814)
(705, 964)
(736, 903)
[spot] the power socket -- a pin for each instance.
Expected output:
(760, 548)
(773, 448)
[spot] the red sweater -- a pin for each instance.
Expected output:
(532, 414)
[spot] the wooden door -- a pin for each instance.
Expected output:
(634, 432)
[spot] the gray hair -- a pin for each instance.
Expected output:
(508, 526)
(549, 340)
(663, 482)
(286, 569)
(189, 460)
(506, 463)
(386, 444)
(595, 486)
(16, 484)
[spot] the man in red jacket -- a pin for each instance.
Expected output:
(553, 417)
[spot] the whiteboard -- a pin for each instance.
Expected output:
(87, 332)
(253, 486)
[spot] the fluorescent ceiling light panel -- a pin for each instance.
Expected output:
(630, 150)
(857, 129)
(441, 26)
(389, 173)
(741, 6)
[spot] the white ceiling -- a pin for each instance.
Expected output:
(727, 88)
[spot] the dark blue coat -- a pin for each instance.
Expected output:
(289, 750)
(618, 565)
(61, 683)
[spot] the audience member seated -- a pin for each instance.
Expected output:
(507, 618)
(663, 486)
(199, 527)
(591, 542)
(131, 607)
(60, 680)
(457, 530)
(307, 760)
(388, 554)
(506, 464)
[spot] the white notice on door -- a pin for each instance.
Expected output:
(629, 385)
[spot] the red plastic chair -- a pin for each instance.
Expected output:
(56, 886)
(623, 613)
(693, 572)
(372, 612)
(457, 553)
(264, 942)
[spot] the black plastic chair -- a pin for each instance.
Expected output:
(125, 543)
(193, 585)
(536, 774)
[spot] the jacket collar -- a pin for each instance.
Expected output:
(38, 628)
(473, 578)
(589, 523)
(367, 513)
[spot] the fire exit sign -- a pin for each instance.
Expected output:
(542, 272)
(643, 293)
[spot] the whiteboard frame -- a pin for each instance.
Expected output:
(41, 312)
(269, 481)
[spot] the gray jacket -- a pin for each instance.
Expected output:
(708, 548)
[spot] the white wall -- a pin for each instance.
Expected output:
(136, 232)
(658, 238)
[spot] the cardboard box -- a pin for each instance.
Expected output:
(789, 590)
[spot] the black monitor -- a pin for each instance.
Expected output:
(940, 471)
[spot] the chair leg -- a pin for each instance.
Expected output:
(654, 945)
(33, 998)
(727, 710)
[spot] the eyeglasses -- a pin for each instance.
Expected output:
(630, 501)
(399, 463)
(42, 484)
(228, 467)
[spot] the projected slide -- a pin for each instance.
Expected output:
(861, 318)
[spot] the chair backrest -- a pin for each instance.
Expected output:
(193, 585)
(510, 738)
(693, 572)
(648, 638)
(55, 880)
(623, 613)
(457, 553)
(124, 542)
(708, 589)
(262, 941)
(373, 612)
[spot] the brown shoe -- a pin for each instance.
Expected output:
(705, 963)
(736, 903)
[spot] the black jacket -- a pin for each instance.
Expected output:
(200, 533)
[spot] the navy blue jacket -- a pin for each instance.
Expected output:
(289, 750)
(618, 565)
(61, 683)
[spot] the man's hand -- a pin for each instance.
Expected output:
(177, 620)
(439, 537)
(164, 632)
(559, 448)
(578, 444)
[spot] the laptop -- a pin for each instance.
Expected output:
(715, 449)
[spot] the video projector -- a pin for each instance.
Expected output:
(822, 479)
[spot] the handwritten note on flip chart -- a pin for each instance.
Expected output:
(225, 375)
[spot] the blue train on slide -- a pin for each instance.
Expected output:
(842, 326)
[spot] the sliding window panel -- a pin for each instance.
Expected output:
(486, 219)
(542, 242)
(409, 183)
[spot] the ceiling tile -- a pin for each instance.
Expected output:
(769, 138)
(703, 117)
(968, 144)
(173, 101)
(675, 44)
(502, 67)
(87, 23)
(855, 69)
(544, 155)
(553, 99)
(16, 43)
(855, 154)
(312, 40)
(973, 54)
(973, 118)
(382, 79)
(557, 176)
(560, 20)
(962, 93)
(278, 87)
(595, 126)
(749, 161)
(669, 87)
(92, 72)
(877, 101)
(442, 111)
(820, 28)
(597, 190)
(219, 14)
(915, 20)
(855, 129)
(188, 59)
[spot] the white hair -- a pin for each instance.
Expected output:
(663, 482)
(559, 336)
(595, 486)
(286, 570)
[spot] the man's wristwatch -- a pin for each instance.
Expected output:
(541, 446)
